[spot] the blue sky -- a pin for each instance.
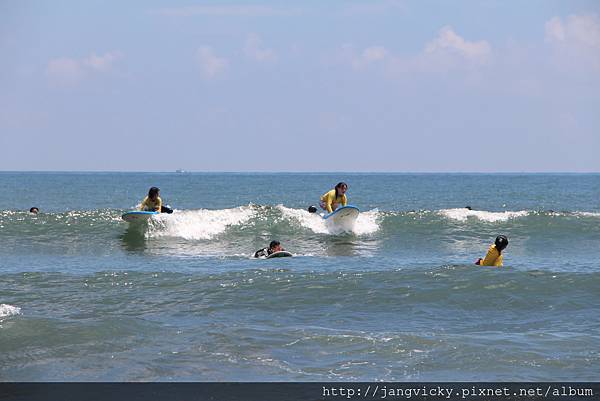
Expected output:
(393, 85)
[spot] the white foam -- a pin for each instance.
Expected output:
(587, 214)
(463, 214)
(9, 310)
(366, 223)
(198, 224)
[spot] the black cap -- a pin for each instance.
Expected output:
(501, 242)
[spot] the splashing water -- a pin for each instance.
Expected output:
(463, 214)
(9, 310)
(366, 223)
(198, 224)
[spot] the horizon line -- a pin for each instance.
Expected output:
(182, 171)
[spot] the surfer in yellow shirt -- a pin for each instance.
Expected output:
(152, 202)
(334, 198)
(494, 254)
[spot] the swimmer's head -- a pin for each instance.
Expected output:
(341, 188)
(153, 193)
(275, 246)
(501, 242)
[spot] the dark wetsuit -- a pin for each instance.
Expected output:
(262, 253)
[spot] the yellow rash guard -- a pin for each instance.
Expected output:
(492, 258)
(329, 198)
(150, 205)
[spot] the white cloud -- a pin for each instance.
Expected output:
(576, 40)
(254, 49)
(101, 63)
(210, 64)
(447, 52)
(449, 43)
(71, 71)
(581, 30)
(554, 30)
(226, 10)
(369, 56)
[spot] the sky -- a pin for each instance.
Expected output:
(390, 86)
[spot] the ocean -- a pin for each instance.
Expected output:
(86, 297)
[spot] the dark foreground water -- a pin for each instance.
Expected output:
(83, 296)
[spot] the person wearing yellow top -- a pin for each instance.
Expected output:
(494, 254)
(152, 202)
(332, 199)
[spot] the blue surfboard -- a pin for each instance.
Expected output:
(137, 216)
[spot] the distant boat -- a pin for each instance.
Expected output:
(180, 171)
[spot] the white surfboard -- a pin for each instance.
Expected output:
(343, 217)
(137, 216)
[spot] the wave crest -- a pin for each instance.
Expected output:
(366, 223)
(462, 214)
(9, 310)
(198, 224)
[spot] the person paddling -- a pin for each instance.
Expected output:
(274, 246)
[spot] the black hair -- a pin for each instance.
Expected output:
(501, 243)
(153, 191)
(273, 244)
(31, 210)
(339, 185)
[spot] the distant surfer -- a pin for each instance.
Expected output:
(274, 246)
(334, 198)
(34, 210)
(494, 254)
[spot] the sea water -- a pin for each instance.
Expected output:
(85, 296)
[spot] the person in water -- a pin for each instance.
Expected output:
(34, 210)
(334, 198)
(274, 246)
(152, 202)
(494, 254)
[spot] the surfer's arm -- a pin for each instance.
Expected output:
(328, 205)
(143, 204)
(158, 205)
(326, 199)
(344, 200)
(261, 253)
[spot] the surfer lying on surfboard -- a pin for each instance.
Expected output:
(274, 246)
(334, 198)
(153, 203)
